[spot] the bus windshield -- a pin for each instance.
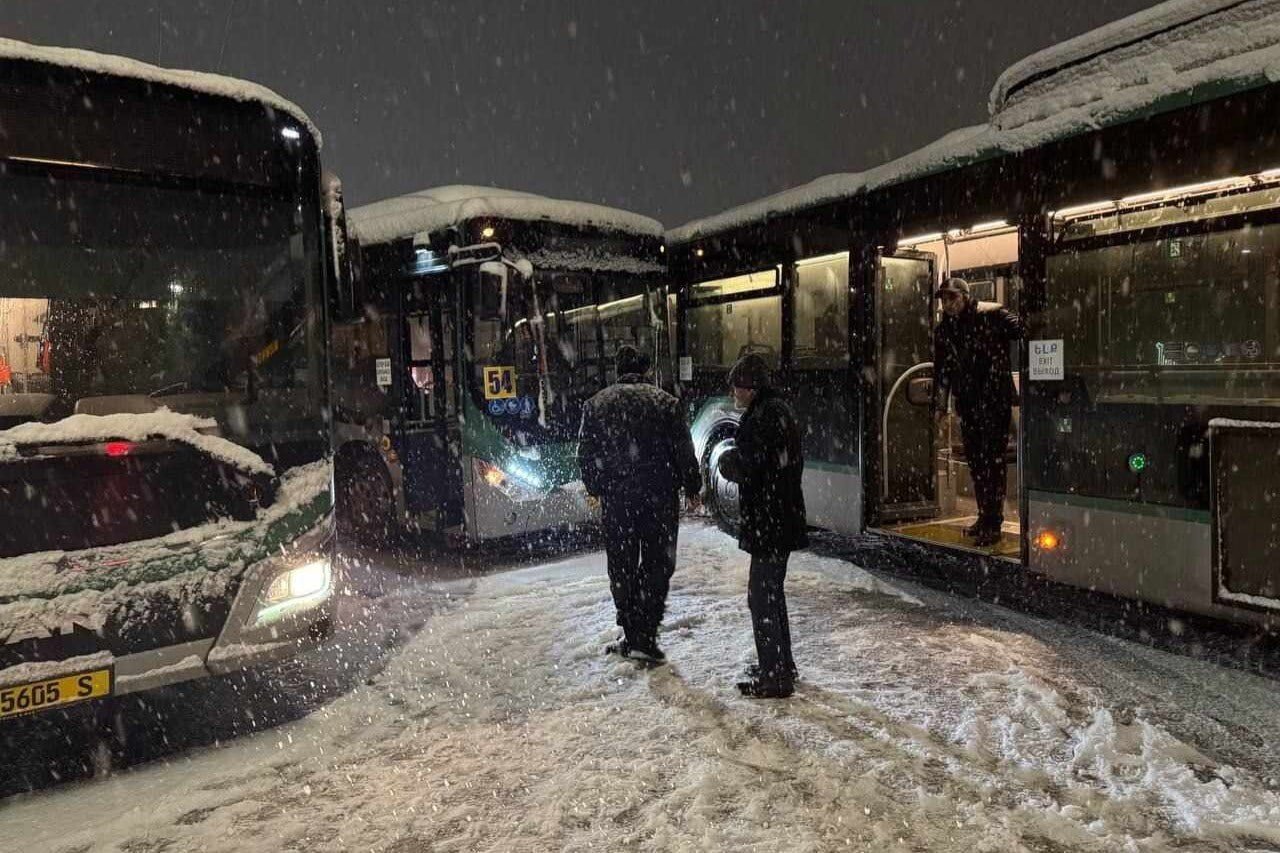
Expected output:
(188, 298)
(560, 332)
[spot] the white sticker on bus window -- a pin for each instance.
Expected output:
(382, 370)
(686, 368)
(1046, 361)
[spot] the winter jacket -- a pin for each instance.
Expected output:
(767, 463)
(971, 358)
(634, 443)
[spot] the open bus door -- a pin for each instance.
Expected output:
(899, 419)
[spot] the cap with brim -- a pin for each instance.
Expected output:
(953, 285)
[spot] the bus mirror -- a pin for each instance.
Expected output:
(920, 391)
(344, 300)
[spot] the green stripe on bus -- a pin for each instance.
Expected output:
(1176, 513)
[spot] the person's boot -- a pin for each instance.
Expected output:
(647, 650)
(621, 648)
(766, 688)
(753, 672)
(987, 537)
(973, 529)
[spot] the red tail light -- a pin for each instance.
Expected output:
(118, 448)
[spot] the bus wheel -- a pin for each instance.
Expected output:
(364, 501)
(722, 494)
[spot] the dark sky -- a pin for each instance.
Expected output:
(673, 108)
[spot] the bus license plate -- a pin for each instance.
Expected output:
(54, 692)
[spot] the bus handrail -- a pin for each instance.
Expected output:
(884, 424)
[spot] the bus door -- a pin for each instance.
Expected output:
(901, 418)
(429, 441)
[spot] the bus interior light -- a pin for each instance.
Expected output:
(921, 238)
(290, 133)
(118, 448)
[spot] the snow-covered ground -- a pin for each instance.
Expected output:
(923, 722)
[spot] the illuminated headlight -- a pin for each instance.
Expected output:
(516, 481)
(295, 589)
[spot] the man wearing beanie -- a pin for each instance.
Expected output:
(635, 454)
(767, 463)
(971, 364)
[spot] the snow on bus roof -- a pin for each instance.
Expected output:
(432, 210)
(122, 66)
(1177, 54)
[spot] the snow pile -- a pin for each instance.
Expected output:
(196, 81)
(128, 426)
(593, 261)
(434, 210)
(501, 726)
(1178, 53)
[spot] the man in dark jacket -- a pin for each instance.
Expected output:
(635, 454)
(767, 463)
(972, 365)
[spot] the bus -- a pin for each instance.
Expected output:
(165, 443)
(490, 316)
(1131, 222)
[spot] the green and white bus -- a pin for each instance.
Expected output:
(165, 441)
(490, 317)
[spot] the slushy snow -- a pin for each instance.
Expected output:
(922, 722)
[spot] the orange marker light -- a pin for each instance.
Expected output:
(1047, 540)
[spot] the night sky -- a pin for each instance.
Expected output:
(673, 109)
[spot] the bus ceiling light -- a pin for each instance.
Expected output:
(290, 133)
(822, 259)
(921, 238)
(1236, 182)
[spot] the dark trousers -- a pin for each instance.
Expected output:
(640, 547)
(767, 602)
(985, 433)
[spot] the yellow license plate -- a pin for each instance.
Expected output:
(54, 692)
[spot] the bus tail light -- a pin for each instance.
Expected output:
(118, 448)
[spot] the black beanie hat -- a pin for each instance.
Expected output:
(628, 360)
(750, 371)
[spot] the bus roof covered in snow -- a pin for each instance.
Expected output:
(1176, 55)
(430, 211)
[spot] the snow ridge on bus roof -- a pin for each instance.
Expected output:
(432, 210)
(1179, 53)
(122, 66)
(1138, 26)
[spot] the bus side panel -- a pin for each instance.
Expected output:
(1130, 554)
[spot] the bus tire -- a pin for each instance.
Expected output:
(364, 503)
(721, 495)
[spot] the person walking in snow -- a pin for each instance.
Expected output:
(971, 364)
(767, 463)
(635, 454)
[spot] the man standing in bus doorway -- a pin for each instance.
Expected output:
(972, 365)
(635, 454)
(767, 463)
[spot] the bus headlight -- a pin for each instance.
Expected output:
(516, 482)
(295, 589)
